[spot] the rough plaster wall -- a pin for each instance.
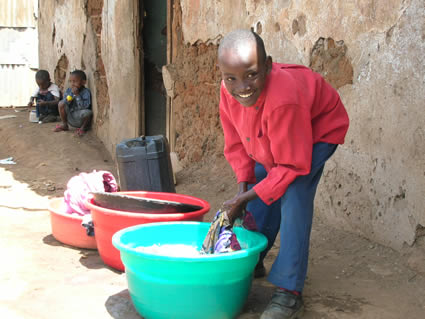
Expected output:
(121, 62)
(98, 37)
(375, 183)
(57, 38)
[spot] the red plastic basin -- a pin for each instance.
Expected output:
(108, 221)
(67, 228)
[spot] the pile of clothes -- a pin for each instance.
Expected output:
(78, 192)
(80, 186)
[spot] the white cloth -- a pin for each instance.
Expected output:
(53, 88)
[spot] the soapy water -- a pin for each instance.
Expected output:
(171, 250)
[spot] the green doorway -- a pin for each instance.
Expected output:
(155, 56)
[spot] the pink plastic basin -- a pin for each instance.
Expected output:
(107, 221)
(67, 228)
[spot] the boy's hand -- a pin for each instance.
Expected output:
(234, 208)
(237, 204)
(75, 90)
(29, 104)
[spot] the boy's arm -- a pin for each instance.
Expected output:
(68, 97)
(234, 151)
(291, 143)
(33, 97)
(50, 103)
(84, 102)
(242, 165)
(31, 102)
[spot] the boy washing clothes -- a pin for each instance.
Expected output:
(46, 96)
(281, 123)
(75, 108)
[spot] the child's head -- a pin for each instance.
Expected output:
(42, 77)
(77, 79)
(244, 65)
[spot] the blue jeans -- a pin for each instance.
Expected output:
(292, 214)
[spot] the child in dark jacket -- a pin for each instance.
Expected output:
(46, 96)
(75, 109)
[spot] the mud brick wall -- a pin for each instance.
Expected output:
(195, 106)
(196, 97)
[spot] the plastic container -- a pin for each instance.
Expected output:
(107, 221)
(67, 228)
(33, 117)
(204, 287)
(144, 164)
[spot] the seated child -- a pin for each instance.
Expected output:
(75, 107)
(47, 96)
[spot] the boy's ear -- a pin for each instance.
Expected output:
(269, 64)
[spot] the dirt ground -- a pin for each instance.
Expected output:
(349, 277)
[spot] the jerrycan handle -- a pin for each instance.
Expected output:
(143, 140)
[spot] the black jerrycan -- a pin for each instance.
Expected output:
(144, 164)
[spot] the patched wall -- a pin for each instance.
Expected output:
(90, 35)
(372, 52)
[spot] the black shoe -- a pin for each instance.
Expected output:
(284, 305)
(260, 270)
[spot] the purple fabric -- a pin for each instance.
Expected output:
(221, 238)
(227, 242)
(80, 186)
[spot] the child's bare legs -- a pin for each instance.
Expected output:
(86, 119)
(62, 113)
(86, 123)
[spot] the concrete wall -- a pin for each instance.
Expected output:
(371, 51)
(98, 36)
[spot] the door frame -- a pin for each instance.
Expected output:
(169, 125)
(170, 130)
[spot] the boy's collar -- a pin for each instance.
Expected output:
(262, 97)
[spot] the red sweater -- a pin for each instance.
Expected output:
(296, 109)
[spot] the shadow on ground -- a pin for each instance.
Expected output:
(45, 160)
(90, 258)
(120, 306)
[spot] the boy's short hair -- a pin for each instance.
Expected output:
(80, 74)
(42, 75)
(241, 36)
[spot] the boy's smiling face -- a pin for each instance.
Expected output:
(244, 72)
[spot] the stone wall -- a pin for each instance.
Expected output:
(371, 51)
(90, 35)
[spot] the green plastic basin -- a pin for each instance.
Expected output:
(209, 286)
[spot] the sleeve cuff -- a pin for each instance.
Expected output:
(265, 195)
